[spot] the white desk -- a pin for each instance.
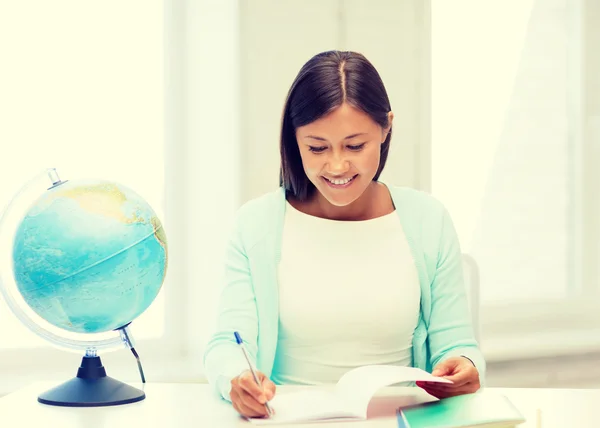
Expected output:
(193, 405)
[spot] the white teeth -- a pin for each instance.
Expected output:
(341, 182)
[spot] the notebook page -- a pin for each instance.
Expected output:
(302, 406)
(357, 387)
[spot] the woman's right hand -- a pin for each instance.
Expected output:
(247, 397)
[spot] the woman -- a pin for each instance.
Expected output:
(335, 269)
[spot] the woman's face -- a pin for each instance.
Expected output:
(340, 153)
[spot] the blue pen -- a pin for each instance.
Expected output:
(240, 342)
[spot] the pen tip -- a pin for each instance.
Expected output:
(238, 339)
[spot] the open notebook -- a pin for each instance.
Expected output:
(348, 400)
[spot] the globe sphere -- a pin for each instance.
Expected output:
(87, 257)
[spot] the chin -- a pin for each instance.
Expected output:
(340, 198)
(339, 202)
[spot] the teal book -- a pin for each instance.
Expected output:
(481, 410)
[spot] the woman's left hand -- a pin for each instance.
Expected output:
(462, 373)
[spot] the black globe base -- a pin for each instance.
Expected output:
(91, 388)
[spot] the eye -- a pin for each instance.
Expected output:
(356, 147)
(316, 149)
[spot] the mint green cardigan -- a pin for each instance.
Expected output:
(249, 296)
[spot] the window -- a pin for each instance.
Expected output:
(507, 154)
(137, 92)
(82, 91)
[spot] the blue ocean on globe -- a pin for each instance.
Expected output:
(89, 256)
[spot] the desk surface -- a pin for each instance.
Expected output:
(193, 405)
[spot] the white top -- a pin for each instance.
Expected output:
(349, 296)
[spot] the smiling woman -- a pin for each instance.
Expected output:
(385, 283)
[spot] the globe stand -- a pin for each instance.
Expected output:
(91, 388)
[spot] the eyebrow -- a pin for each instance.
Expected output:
(347, 138)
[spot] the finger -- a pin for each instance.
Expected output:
(250, 413)
(466, 389)
(461, 378)
(236, 401)
(444, 368)
(454, 384)
(241, 407)
(440, 371)
(422, 383)
(248, 384)
(269, 388)
(442, 381)
(250, 403)
(445, 387)
(439, 386)
(442, 390)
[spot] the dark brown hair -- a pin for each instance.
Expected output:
(324, 83)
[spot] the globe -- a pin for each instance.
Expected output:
(89, 256)
(79, 261)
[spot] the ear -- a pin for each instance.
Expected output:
(388, 128)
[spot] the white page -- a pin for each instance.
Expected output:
(357, 387)
(349, 399)
(312, 404)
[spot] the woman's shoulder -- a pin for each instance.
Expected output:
(416, 201)
(266, 204)
(424, 216)
(256, 217)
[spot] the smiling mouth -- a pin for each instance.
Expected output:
(340, 182)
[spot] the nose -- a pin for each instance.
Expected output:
(338, 165)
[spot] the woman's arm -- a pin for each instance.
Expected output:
(223, 359)
(450, 328)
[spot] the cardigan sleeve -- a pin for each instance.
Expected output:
(450, 330)
(236, 311)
